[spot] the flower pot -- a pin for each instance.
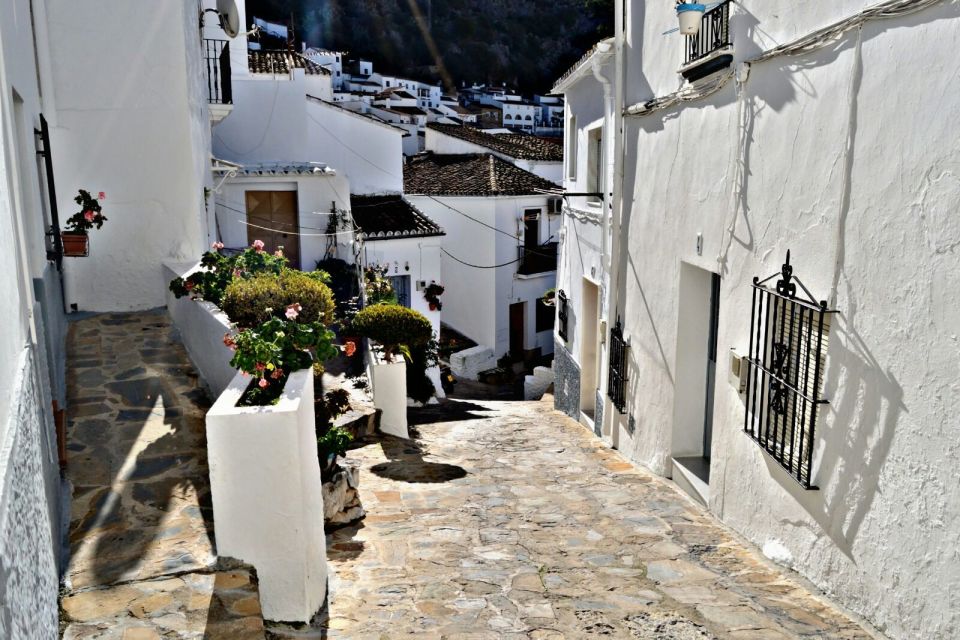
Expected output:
(690, 15)
(75, 244)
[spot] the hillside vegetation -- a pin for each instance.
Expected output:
(525, 43)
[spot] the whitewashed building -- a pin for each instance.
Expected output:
(499, 254)
(819, 132)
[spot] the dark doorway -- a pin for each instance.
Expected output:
(711, 367)
(517, 329)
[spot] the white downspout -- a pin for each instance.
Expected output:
(615, 211)
(609, 132)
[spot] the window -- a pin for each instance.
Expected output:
(401, 287)
(595, 164)
(528, 117)
(545, 317)
(571, 154)
(786, 359)
(562, 314)
(508, 117)
(617, 375)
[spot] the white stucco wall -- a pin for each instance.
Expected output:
(477, 301)
(273, 120)
(134, 127)
(841, 158)
(31, 346)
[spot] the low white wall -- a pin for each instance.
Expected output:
(267, 496)
(389, 383)
(201, 326)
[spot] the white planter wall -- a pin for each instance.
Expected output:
(267, 499)
(201, 326)
(389, 383)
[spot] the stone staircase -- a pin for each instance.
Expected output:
(142, 559)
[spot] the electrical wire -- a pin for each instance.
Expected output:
(811, 42)
(477, 266)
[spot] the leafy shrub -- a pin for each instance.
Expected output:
(275, 349)
(250, 302)
(219, 271)
(393, 327)
(378, 287)
(333, 442)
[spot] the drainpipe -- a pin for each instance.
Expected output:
(614, 207)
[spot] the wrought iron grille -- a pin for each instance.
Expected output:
(562, 312)
(617, 377)
(714, 33)
(219, 80)
(788, 338)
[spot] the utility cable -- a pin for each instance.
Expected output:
(477, 266)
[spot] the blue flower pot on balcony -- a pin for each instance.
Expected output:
(690, 15)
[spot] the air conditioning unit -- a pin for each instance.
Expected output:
(555, 206)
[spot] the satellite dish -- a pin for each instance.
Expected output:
(229, 17)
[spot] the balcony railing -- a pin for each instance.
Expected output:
(541, 259)
(714, 33)
(216, 53)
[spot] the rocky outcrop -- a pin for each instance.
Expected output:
(341, 496)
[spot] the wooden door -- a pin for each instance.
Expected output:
(273, 218)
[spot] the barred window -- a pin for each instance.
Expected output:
(787, 357)
(617, 375)
(562, 313)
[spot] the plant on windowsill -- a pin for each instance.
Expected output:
(549, 297)
(76, 243)
(432, 295)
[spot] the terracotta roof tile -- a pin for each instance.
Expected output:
(281, 62)
(390, 217)
(518, 146)
(479, 174)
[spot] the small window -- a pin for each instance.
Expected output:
(545, 316)
(563, 313)
(595, 164)
(617, 375)
(508, 117)
(571, 154)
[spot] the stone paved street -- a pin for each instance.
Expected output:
(508, 520)
(142, 561)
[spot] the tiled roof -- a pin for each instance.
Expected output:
(286, 168)
(514, 145)
(474, 174)
(410, 111)
(282, 62)
(601, 47)
(390, 217)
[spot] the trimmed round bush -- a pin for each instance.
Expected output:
(393, 326)
(253, 301)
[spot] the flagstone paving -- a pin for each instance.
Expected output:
(142, 561)
(508, 520)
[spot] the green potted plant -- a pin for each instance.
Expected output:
(432, 295)
(76, 243)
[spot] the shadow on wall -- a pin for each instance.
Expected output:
(866, 403)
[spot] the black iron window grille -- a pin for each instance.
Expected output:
(617, 377)
(788, 340)
(216, 53)
(562, 313)
(714, 33)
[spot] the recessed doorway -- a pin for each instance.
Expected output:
(692, 442)
(589, 333)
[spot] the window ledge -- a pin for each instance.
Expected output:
(534, 276)
(713, 61)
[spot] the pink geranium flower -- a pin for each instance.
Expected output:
(350, 348)
(263, 383)
(228, 341)
(277, 373)
(261, 367)
(258, 245)
(216, 246)
(278, 253)
(293, 311)
(89, 216)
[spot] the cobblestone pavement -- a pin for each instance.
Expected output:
(142, 563)
(508, 520)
